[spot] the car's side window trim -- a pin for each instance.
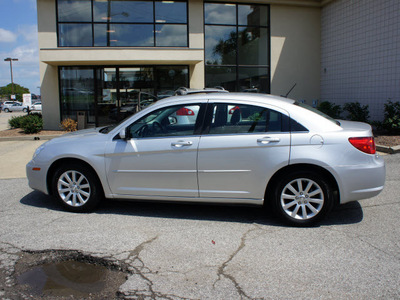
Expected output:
(209, 119)
(197, 125)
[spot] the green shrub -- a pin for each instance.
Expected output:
(357, 112)
(391, 121)
(15, 122)
(32, 123)
(331, 109)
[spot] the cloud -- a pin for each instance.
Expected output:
(7, 36)
(29, 32)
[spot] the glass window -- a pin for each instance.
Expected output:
(77, 92)
(239, 118)
(122, 23)
(220, 45)
(171, 36)
(171, 12)
(179, 120)
(140, 35)
(254, 80)
(216, 13)
(221, 76)
(123, 11)
(237, 36)
(75, 35)
(74, 10)
(253, 15)
(253, 46)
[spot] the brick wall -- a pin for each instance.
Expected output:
(360, 53)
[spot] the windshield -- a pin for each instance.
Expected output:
(317, 112)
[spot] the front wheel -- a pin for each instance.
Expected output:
(77, 188)
(302, 198)
(6, 110)
(25, 110)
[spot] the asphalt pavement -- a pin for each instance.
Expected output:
(177, 251)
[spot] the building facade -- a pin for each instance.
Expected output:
(101, 59)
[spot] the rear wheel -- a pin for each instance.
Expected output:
(77, 188)
(301, 198)
(25, 110)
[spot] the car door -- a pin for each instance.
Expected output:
(160, 157)
(243, 146)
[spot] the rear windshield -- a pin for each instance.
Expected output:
(317, 112)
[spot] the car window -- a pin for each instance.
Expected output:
(239, 118)
(178, 120)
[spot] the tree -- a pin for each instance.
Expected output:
(5, 91)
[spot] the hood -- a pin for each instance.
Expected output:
(80, 134)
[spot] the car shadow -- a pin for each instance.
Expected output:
(350, 213)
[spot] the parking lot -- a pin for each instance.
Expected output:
(178, 251)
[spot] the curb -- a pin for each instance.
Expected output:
(28, 138)
(387, 149)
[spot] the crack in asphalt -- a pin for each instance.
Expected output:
(221, 270)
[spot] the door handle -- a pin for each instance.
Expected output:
(268, 139)
(179, 144)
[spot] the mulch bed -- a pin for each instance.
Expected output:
(19, 132)
(387, 140)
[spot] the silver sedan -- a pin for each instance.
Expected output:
(239, 149)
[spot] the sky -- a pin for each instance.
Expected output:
(19, 39)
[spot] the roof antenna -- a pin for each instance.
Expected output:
(285, 96)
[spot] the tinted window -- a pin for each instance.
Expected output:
(122, 23)
(232, 118)
(236, 37)
(177, 120)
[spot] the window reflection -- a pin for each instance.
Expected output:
(77, 92)
(74, 10)
(108, 95)
(131, 35)
(170, 12)
(236, 36)
(220, 13)
(75, 35)
(254, 80)
(220, 45)
(253, 46)
(122, 23)
(123, 11)
(253, 15)
(171, 35)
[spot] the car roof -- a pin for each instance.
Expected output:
(256, 97)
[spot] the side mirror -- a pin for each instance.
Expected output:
(124, 134)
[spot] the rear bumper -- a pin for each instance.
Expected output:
(361, 181)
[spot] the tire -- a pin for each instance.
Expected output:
(77, 188)
(6, 110)
(302, 198)
(25, 110)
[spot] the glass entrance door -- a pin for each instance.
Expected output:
(108, 104)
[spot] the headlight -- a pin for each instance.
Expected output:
(37, 151)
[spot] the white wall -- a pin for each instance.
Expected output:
(295, 51)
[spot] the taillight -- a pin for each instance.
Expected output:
(364, 144)
(184, 112)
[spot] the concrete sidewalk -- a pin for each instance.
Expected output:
(14, 155)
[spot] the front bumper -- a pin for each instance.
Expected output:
(36, 175)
